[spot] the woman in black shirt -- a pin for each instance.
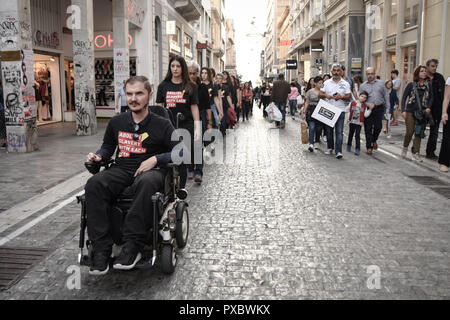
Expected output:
(178, 95)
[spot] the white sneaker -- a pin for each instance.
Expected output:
(404, 153)
(329, 151)
(389, 136)
(417, 157)
(311, 148)
(339, 156)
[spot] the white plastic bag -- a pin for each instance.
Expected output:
(300, 100)
(274, 113)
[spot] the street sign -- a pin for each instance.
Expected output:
(171, 27)
(291, 65)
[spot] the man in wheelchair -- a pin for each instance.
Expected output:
(143, 143)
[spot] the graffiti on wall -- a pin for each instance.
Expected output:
(84, 86)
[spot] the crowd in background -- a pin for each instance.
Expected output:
(374, 105)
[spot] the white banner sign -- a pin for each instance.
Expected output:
(327, 113)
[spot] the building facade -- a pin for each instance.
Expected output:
(67, 60)
(408, 33)
(230, 56)
(218, 34)
(273, 36)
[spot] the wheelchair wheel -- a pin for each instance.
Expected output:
(168, 259)
(182, 229)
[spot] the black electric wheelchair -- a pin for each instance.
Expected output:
(170, 227)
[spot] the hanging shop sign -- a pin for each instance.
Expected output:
(291, 64)
(201, 46)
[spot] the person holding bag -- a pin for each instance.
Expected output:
(416, 110)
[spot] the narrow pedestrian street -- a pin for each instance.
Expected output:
(292, 225)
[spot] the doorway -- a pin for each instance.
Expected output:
(47, 86)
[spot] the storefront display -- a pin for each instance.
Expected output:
(104, 79)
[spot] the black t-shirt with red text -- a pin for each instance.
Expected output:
(136, 143)
(177, 100)
(224, 90)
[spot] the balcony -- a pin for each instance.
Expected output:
(191, 10)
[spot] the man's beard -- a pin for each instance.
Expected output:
(137, 111)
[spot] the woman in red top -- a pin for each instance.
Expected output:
(247, 97)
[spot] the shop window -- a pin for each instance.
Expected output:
(409, 62)
(104, 81)
(379, 31)
(393, 20)
(343, 39)
(188, 46)
(330, 44)
(47, 87)
(411, 13)
(70, 87)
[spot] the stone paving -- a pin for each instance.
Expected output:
(60, 157)
(309, 230)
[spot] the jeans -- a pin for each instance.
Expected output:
(314, 131)
(293, 105)
(339, 130)
(410, 133)
(355, 130)
(282, 107)
(215, 113)
(373, 126)
(432, 140)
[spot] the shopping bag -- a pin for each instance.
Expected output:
(305, 133)
(300, 101)
(274, 113)
(327, 113)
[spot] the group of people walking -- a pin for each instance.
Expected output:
(207, 100)
(424, 103)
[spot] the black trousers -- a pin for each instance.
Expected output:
(189, 126)
(104, 188)
(355, 131)
(432, 140)
(444, 157)
(373, 126)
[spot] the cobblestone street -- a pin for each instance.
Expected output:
(309, 230)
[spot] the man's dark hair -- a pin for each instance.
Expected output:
(281, 76)
(435, 61)
(395, 72)
(141, 79)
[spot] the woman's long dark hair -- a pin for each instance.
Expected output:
(210, 79)
(309, 86)
(229, 83)
(186, 85)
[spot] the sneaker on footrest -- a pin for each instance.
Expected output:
(128, 258)
(100, 263)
